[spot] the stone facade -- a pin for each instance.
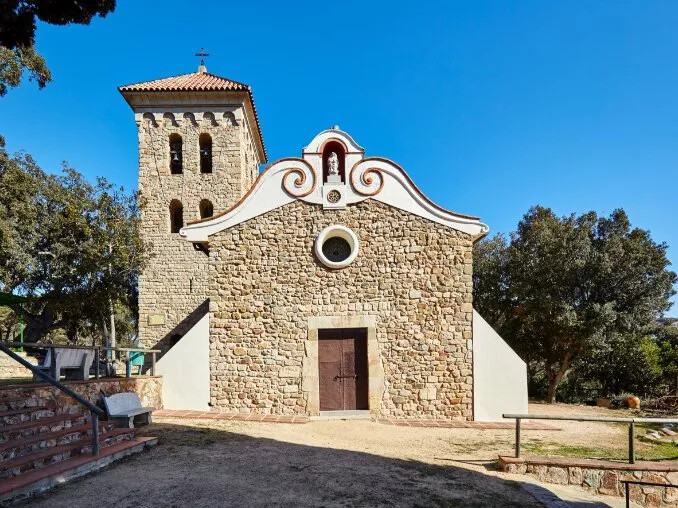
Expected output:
(412, 275)
(175, 282)
(267, 293)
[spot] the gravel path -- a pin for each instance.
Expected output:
(207, 463)
(318, 464)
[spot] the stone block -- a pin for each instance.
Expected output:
(290, 372)
(592, 478)
(609, 483)
(575, 475)
(427, 394)
(559, 475)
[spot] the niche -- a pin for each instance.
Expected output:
(334, 164)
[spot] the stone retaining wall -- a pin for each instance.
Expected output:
(10, 368)
(603, 477)
(149, 389)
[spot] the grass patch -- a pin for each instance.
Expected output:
(644, 451)
(16, 381)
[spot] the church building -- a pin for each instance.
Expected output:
(326, 284)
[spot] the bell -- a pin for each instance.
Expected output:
(175, 157)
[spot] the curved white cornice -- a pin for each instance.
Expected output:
(282, 182)
(385, 181)
(316, 145)
(287, 180)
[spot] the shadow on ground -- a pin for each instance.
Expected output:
(206, 467)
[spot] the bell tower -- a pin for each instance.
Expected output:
(200, 147)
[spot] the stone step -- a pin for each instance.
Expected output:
(32, 427)
(16, 391)
(45, 457)
(32, 482)
(14, 416)
(19, 402)
(19, 447)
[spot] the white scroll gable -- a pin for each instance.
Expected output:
(287, 180)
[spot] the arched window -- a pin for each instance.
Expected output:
(176, 154)
(206, 208)
(205, 141)
(338, 149)
(176, 210)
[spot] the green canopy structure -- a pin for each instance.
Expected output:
(10, 299)
(7, 299)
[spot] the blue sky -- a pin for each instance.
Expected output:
(490, 106)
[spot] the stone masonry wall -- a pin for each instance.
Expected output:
(9, 368)
(149, 389)
(412, 274)
(175, 283)
(604, 480)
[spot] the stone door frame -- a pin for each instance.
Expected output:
(310, 374)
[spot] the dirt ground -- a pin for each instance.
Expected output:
(202, 463)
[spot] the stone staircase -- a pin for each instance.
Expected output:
(41, 446)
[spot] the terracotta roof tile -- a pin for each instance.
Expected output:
(197, 82)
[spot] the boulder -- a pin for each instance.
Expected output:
(633, 402)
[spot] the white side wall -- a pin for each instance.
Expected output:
(499, 375)
(186, 370)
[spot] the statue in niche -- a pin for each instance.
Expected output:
(333, 164)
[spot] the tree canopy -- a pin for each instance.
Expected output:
(562, 287)
(73, 247)
(17, 34)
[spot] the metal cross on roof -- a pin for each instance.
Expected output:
(202, 55)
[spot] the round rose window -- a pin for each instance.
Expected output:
(336, 246)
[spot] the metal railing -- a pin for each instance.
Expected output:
(95, 412)
(631, 422)
(637, 482)
(97, 353)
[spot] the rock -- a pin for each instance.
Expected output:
(575, 475)
(557, 475)
(653, 499)
(667, 432)
(633, 402)
(290, 372)
(609, 483)
(592, 478)
(427, 394)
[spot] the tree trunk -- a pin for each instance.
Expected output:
(555, 378)
(39, 325)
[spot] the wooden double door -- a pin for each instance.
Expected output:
(342, 358)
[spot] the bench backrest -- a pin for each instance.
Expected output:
(121, 402)
(71, 357)
(48, 358)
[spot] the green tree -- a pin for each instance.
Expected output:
(666, 335)
(74, 247)
(623, 364)
(563, 286)
(17, 34)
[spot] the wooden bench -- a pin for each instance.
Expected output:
(123, 407)
(74, 362)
